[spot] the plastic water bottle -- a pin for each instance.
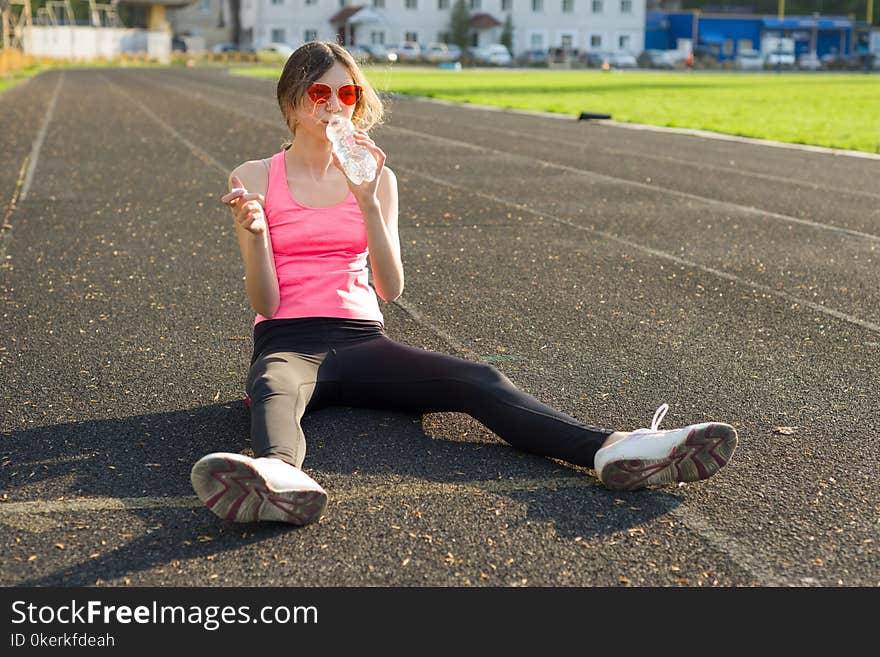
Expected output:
(357, 162)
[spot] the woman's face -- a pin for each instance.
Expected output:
(312, 117)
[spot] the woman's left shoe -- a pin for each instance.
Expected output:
(243, 489)
(649, 456)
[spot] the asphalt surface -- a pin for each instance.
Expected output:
(604, 270)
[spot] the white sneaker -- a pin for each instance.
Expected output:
(242, 489)
(650, 456)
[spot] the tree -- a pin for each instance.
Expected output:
(460, 25)
(507, 33)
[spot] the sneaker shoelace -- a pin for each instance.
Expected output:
(659, 414)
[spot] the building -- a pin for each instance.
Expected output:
(611, 25)
(206, 20)
(726, 35)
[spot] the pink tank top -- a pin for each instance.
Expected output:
(320, 255)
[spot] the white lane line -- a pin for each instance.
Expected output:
(655, 252)
(79, 504)
(440, 333)
(692, 132)
(195, 150)
(741, 556)
(82, 504)
(38, 142)
(30, 516)
(725, 205)
(702, 166)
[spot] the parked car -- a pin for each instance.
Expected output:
(380, 53)
(227, 46)
(274, 52)
(779, 60)
(592, 59)
(611, 60)
(809, 61)
(409, 51)
(495, 54)
(657, 59)
(534, 57)
(442, 52)
(560, 55)
(749, 60)
(838, 62)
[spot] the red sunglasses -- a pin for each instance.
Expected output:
(348, 94)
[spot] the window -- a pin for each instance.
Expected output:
(475, 4)
(341, 3)
(597, 7)
(379, 4)
(278, 35)
(311, 2)
(567, 41)
(623, 41)
(277, 2)
(205, 6)
(536, 41)
(567, 6)
(411, 36)
(537, 5)
(506, 5)
(412, 4)
(311, 35)
(377, 38)
(626, 6)
(442, 4)
(443, 37)
(595, 41)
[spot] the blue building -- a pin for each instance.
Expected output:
(725, 35)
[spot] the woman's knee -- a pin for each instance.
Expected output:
(486, 375)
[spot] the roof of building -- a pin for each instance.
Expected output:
(341, 17)
(482, 21)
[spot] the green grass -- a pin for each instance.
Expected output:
(12, 79)
(834, 110)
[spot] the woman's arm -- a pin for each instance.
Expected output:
(377, 199)
(380, 217)
(261, 280)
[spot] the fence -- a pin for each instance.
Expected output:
(83, 43)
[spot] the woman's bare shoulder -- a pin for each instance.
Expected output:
(254, 175)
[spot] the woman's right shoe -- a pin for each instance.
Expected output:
(243, 489)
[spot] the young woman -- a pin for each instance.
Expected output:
(306, 233)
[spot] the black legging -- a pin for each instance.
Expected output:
(301, 365)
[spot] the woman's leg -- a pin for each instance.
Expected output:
(282, 386)
(382, 373)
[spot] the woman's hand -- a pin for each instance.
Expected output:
(247, 208)
(366, 191)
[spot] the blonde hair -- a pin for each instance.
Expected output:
(308, 63)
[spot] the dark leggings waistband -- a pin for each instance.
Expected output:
(286, 334)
